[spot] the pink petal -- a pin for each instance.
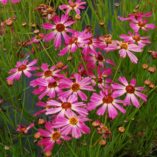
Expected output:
(101, 110)
(135, 101)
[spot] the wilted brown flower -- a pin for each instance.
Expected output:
(46, 11)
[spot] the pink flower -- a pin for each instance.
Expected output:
(91, 46)
(51, 136)
(97, 59)
(78, 40)
(105, 101)
(4, 2)
(128, 49)
(44, 105)
(60, 29)
(64, 105)
(106, 43)
(130, 90)
(24, 129)
(48, 87)
(76, 6)
(101, 80)
(76, 87)
(72, 125)
(135, 38)
(136, 25)
(49, 72)
(136, 15)
(22, 67)
(36, 39)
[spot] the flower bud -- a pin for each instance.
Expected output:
(121, 129)
(102, 142)
(37, 135)
(145, 66)
(147, 82)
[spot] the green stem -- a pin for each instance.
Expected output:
(47, 53)
(119, 64)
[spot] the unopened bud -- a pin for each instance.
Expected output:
(121, 129)
(102, 142)
(77, 17)
(41, 121)
(152, 69)
(145, 66)
(48, 154)
(96, 123)
(152, 85)
(37, 135)
(147, 82)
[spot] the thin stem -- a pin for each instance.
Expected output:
(47, 52)
(119, 64)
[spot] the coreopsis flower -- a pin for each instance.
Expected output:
(139, 24)
(73, 6)
(76, 86)
(4, 2)
(64, 105)
(130, 90)
(101, 80)
(46, 11)
(153, 53)
(106, 43)
(105, 101)
(91, 46)
(48, 87)
(49, 72)
(136, 38)
(72, 125)
(97, 59)
(128, 49)
(37, 39)
(44, 107)
(22, 67)
(60, 29)
(136, 15)
(24, 129)
(51, 136)
(77, 40)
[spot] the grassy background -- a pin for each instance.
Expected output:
(140, 137)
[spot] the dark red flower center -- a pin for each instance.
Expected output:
(73, 40)
(141, 24)
(22, 67)
(52, 84)
(66, 105)
(75, 87)
(100, 80)
(60, 27)
(100, 58)
(136, 38)
(56, 135)
(73, 121)
(107, 99)
(130, 89)
(90, 41)
(48, 73)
